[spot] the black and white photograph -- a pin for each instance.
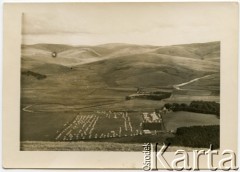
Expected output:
(94, 81)
(120, 85)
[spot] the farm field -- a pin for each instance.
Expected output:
(93, 126)
(42, 126)
(174, 120)
(122, 127)
(84, 125)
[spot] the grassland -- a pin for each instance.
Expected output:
(43, 126)
(174, 120)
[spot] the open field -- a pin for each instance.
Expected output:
(43, 126)
(174, 120)
(94, 105)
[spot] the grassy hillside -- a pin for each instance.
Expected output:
(211, 82)
(73, 55)
(154, 69)
(205, 51)
(105, 66)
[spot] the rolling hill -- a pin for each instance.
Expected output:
(150, 69)
(118, 66)
(202, 51)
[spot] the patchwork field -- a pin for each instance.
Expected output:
(93, 126)
(86, 125)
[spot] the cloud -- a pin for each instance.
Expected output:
(139, 24)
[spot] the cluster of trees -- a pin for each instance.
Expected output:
(209, 107)
(155, 96)
(196, 136)
(151, 96)
(34, 74)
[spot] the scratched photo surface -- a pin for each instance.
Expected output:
(108, 79)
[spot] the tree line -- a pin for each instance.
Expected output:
(209, 107)
(151, 96)
(34, 74)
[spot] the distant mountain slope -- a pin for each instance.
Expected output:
(75, 55)
(122, 65)
(149, 70)
(68, 57)
(202, 51)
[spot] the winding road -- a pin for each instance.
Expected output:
(177, 87)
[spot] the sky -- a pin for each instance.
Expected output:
(142, 23)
